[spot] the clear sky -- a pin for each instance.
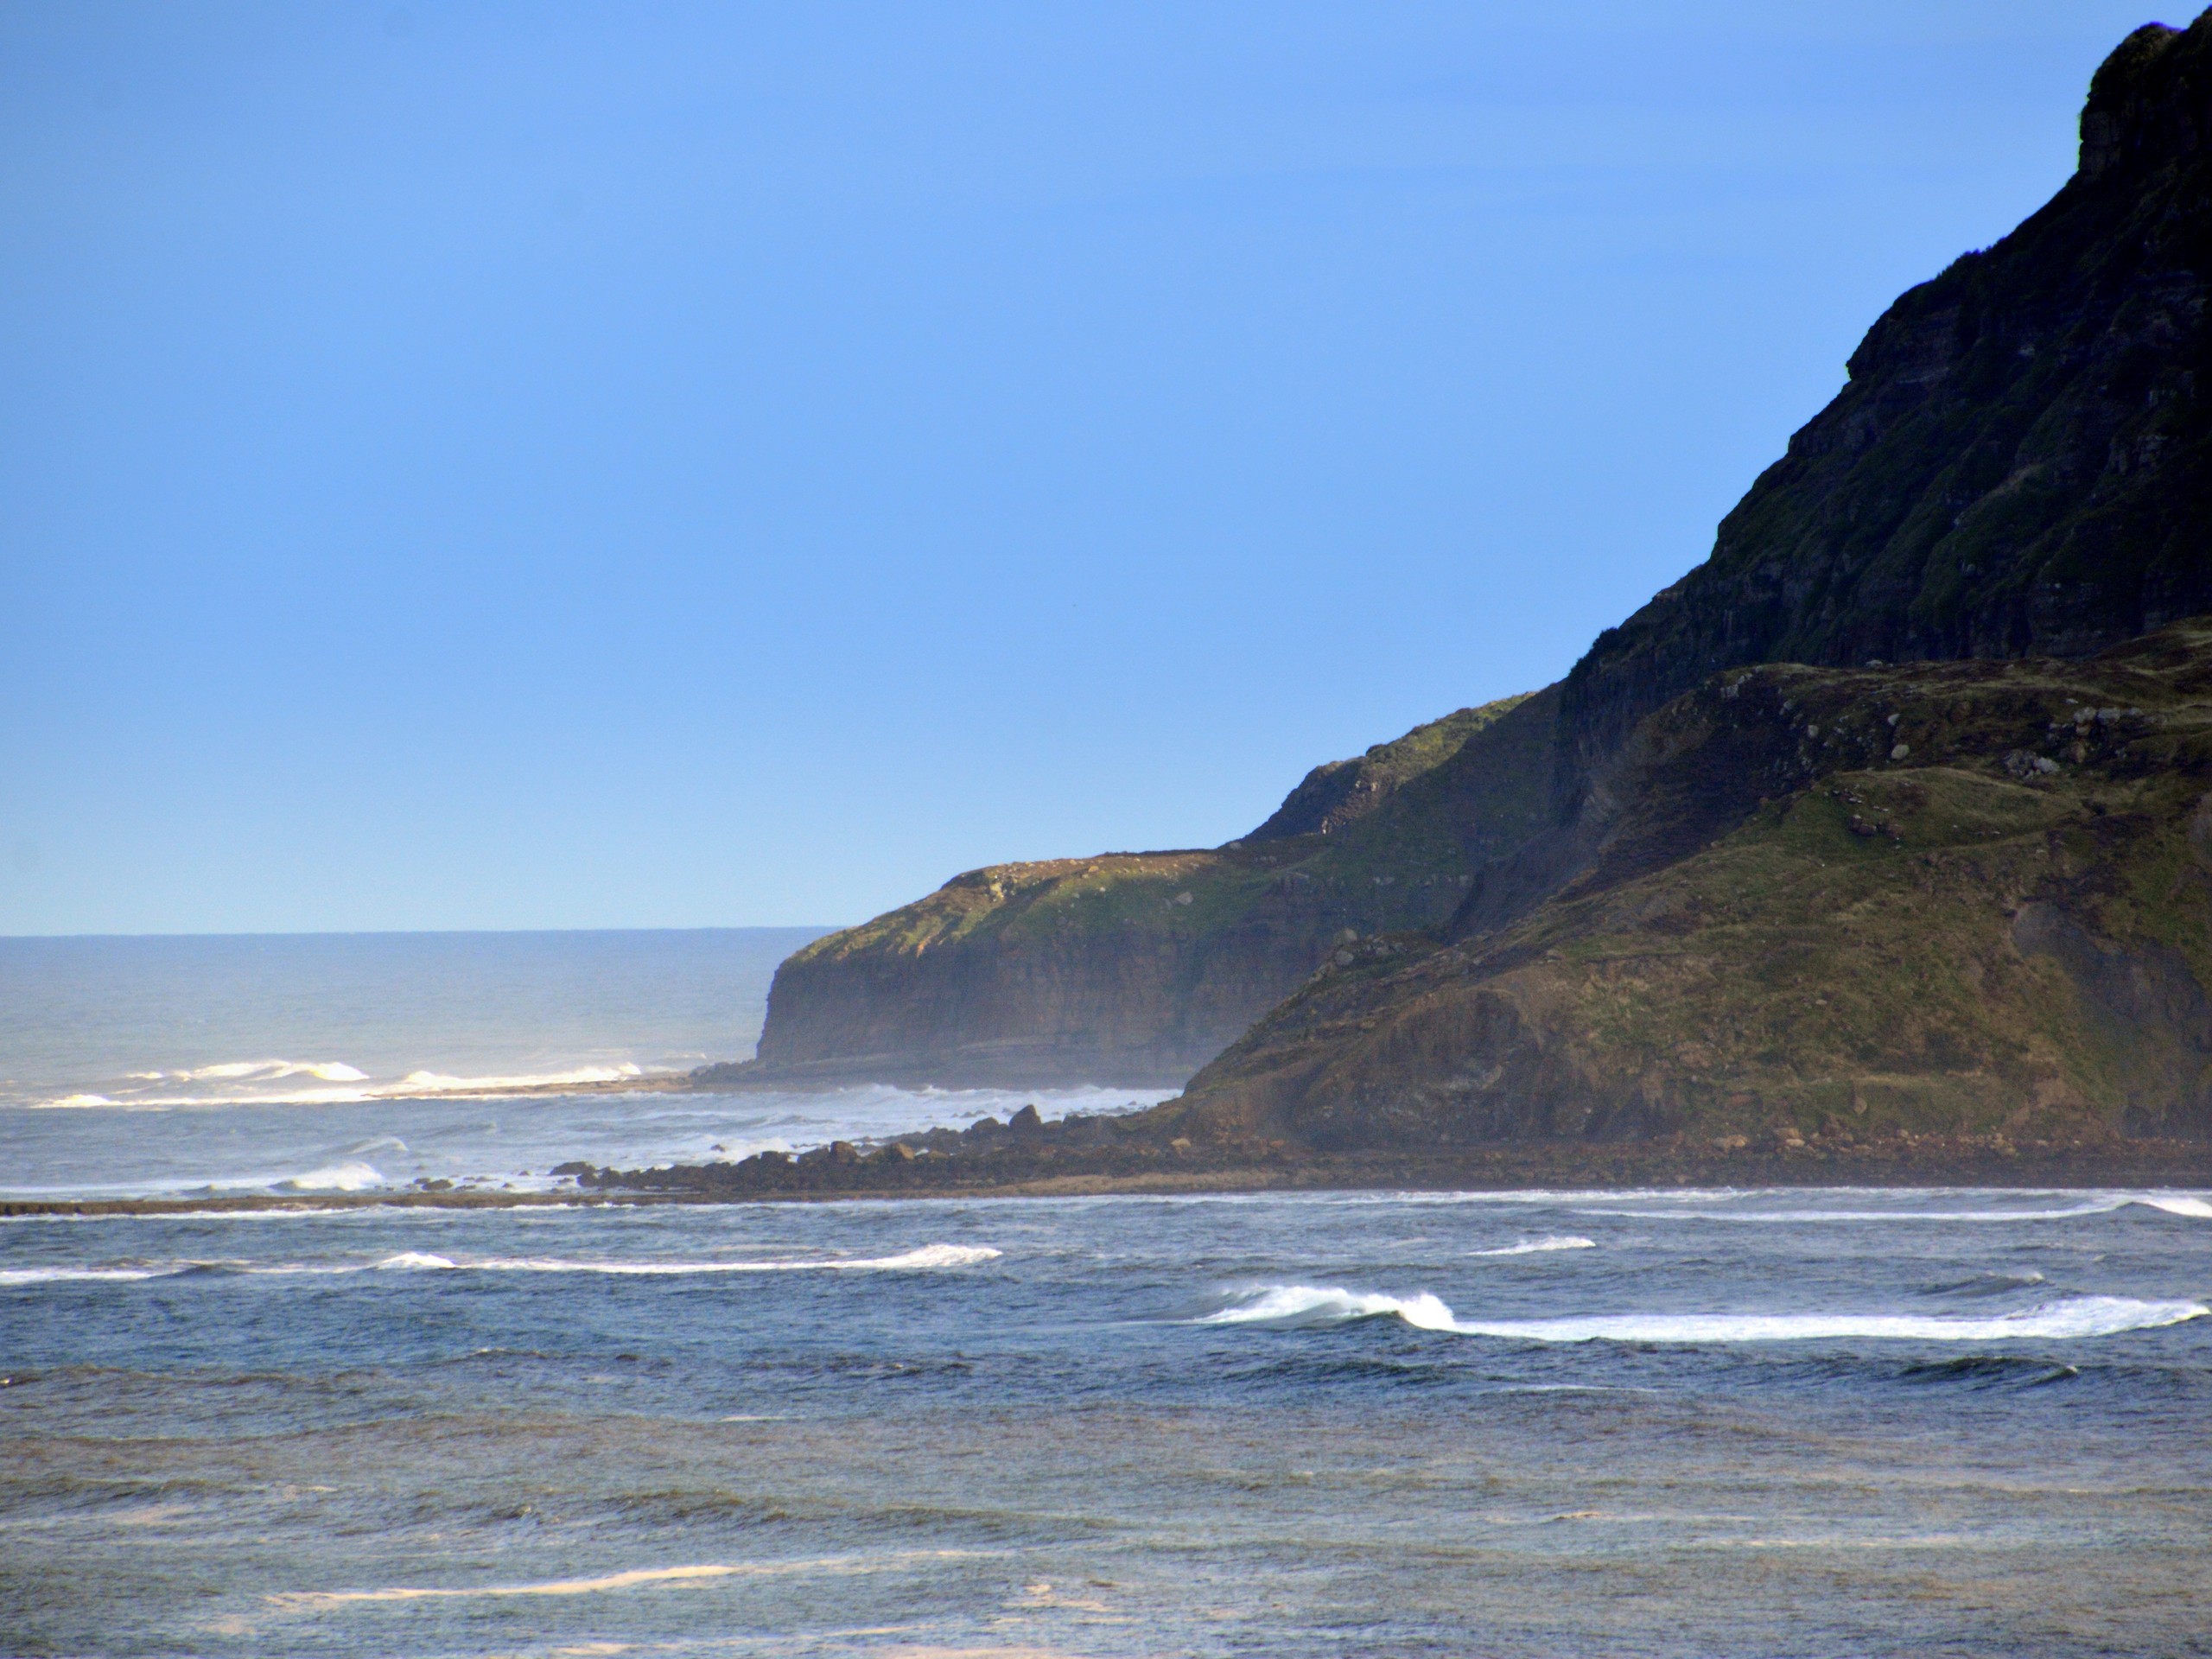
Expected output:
(473, 465)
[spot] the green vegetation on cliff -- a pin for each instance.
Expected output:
(1740, 878)
(1958, 898)
(1136, 968)
(2021, 462)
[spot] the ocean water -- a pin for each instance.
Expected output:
(1704, 1424)
(1742, 1424)
(350, 1062)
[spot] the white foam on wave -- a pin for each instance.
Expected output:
(277, 1083)
(1540, 1246)
(2076, 1317)
(350, 1177)
(929, 1256)
(2177, 1204)
(440, 1083)
(926, 1257)
(236, 1070)
(2098, 1206)
(1282, 1302)
(2098, 1203)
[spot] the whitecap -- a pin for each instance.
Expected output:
(929, 1256)
(2076, 1317)
(10, 1277)
(2177, 1204)
(440, 1083)
(1280, 1303)
(233, 1070)
(1538, 1246)
(2101, 1206)
(409, 1261)
(336, 1178)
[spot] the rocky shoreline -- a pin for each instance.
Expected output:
(1143, 1152)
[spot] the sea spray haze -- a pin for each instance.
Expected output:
(358, 1062)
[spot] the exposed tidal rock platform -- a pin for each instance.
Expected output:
(1065, 1159)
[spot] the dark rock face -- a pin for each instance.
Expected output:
(2021, 463)
(1133, 970)
(2020, 467)
(1850, 906)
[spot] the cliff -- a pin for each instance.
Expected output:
(2019, 471)
(1135, 968)
(1970, 899)
(2020, 462)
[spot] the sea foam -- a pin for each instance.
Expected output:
(928, 1255)
(1540, 1246)
(2074, 1317)
(11, 1276)
(2102, 1204)
(352, 1177)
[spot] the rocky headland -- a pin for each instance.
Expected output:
(1880, 846)
(1135, 968)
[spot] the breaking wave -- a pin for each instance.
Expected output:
(270, 1071)
(2076, 1317)
(1538, 1246)
(74, 1275)
(336, 1178)
(318, 1083)
(2173, 1203)
(926, 1257)
(929, 1256)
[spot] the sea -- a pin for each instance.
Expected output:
(1694, 1422)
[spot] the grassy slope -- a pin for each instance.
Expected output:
(1997, 947)
(1401, 862)
(1139, 967)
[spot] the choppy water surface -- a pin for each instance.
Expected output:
(1768, 1423)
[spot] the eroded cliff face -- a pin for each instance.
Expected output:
(1944, 899)
(1135, 968)
(2019, 469)
(2021, 463)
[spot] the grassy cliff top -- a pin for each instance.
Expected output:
(1418, 815)
(1337, 792)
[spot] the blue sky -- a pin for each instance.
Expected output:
(522, 466)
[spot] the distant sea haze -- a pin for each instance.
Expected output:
(203, 1019)
(353, 1062)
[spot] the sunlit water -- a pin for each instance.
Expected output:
(350, 1062)
(1561, 1424)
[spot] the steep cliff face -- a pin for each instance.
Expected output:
(1971, 898)
(1135, 968)
(2021, 462)
(2019, 468)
